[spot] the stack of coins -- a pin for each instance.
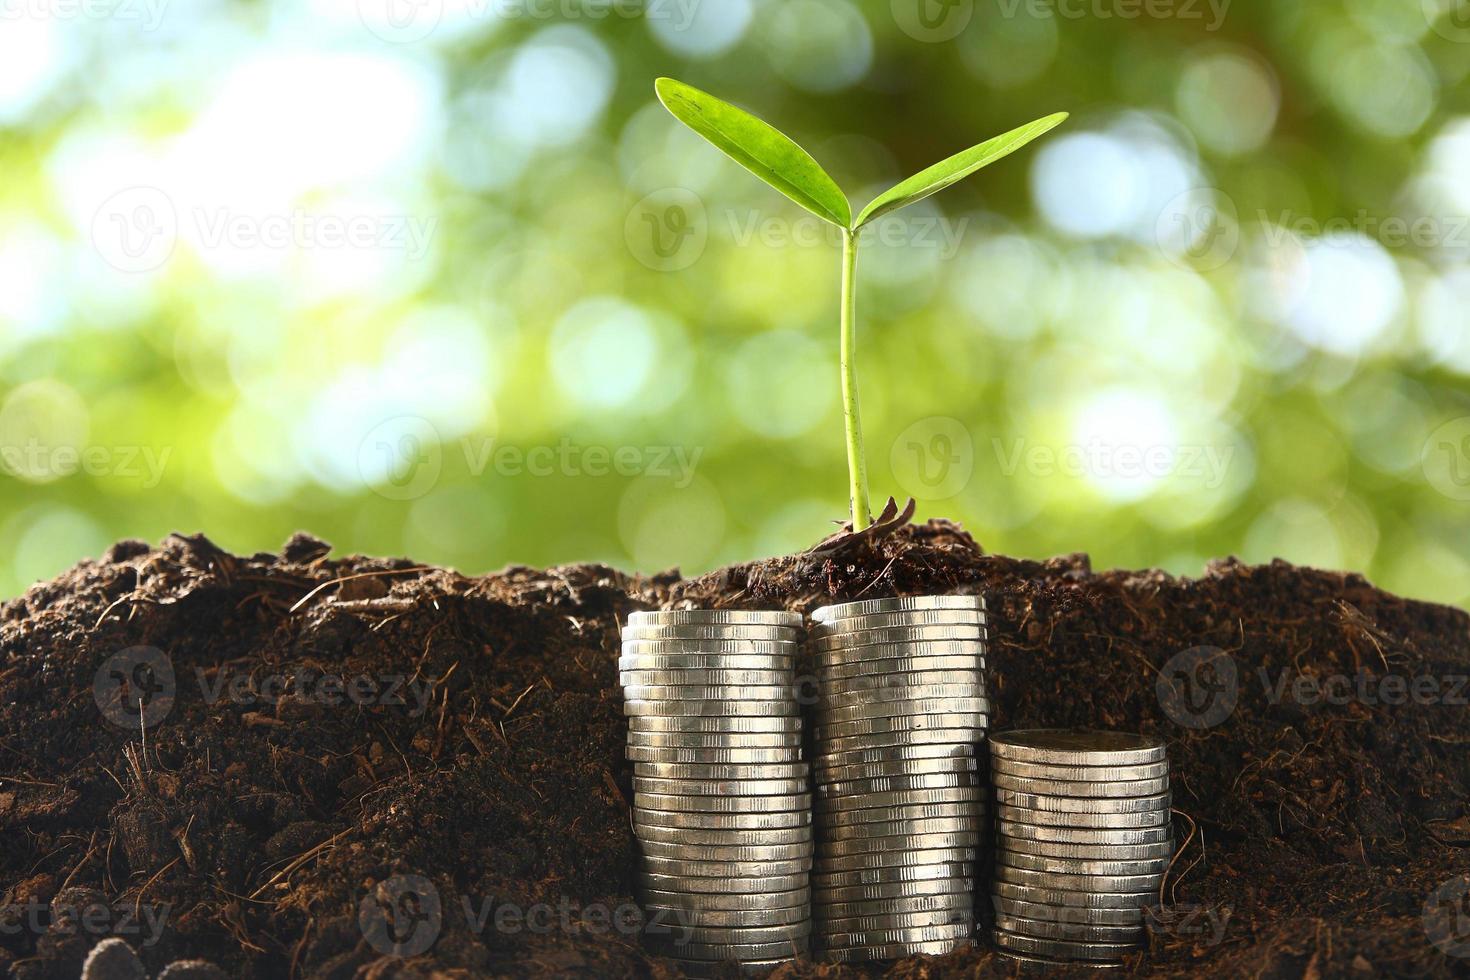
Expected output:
(721, 801)
(900, 804)
(1084, 838)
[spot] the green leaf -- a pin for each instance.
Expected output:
(758, 147)
(956, 168)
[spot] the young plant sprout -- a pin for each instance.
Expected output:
(779, 161)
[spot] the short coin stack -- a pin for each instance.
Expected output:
(721, 803)
(1084, 840)
(900, 804)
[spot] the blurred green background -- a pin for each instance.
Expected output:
(440, 278)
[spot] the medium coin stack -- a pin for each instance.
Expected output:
(1084, 838)
(900, 803)
(721, 801)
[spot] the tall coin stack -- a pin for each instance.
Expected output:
(1084, 838)
(721, 801)
(900, 802)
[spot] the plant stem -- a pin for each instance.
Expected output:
(857, 463)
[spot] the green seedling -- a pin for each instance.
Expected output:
(779, 161)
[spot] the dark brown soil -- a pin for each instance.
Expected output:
(260, 825)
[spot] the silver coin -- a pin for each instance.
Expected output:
(895, 753)
(741, 953)
(948, 887)
(738, 837)
(708, 692)
(828, 925)
(905, 842)
(1120, 836)
(1067, 898)
(1071, 931)
(722, 804)
(833, 836)
(895, 784)
(798, 900)
(823, 880)
(1077, 915)
(1111, 852)
(1053, 881)
(951, 730)
(694, 677)
(1062, 950)
(1077, 774)
(726, 869)
(834, 805)
(1082, 866)
(867, 607)
(845, 706)
(706, 771)
(884, 937)
(1158, 803)
(956, 902)
(967, 738)
(726, 853)
(940, 703)
(866, 860)
(682, 934)
(894, 951)
(714, 724)
(638, 708)
(1093, 789)
(761, 886)
(857, 625)
(757, 617)
(715, 739)
(909, 661)
(896, 634)
(720, 787)
(900, 767)
(739, 820)
(1078, 747)
(734, 653)
(891, 655)
(673, 918)
(1085, 821)
(771, 663)
(977, 721)
(900, 811)
(900, 681)
(714, 756)
(725, 632)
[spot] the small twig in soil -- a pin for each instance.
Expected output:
(348, 578)
(298, 861)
